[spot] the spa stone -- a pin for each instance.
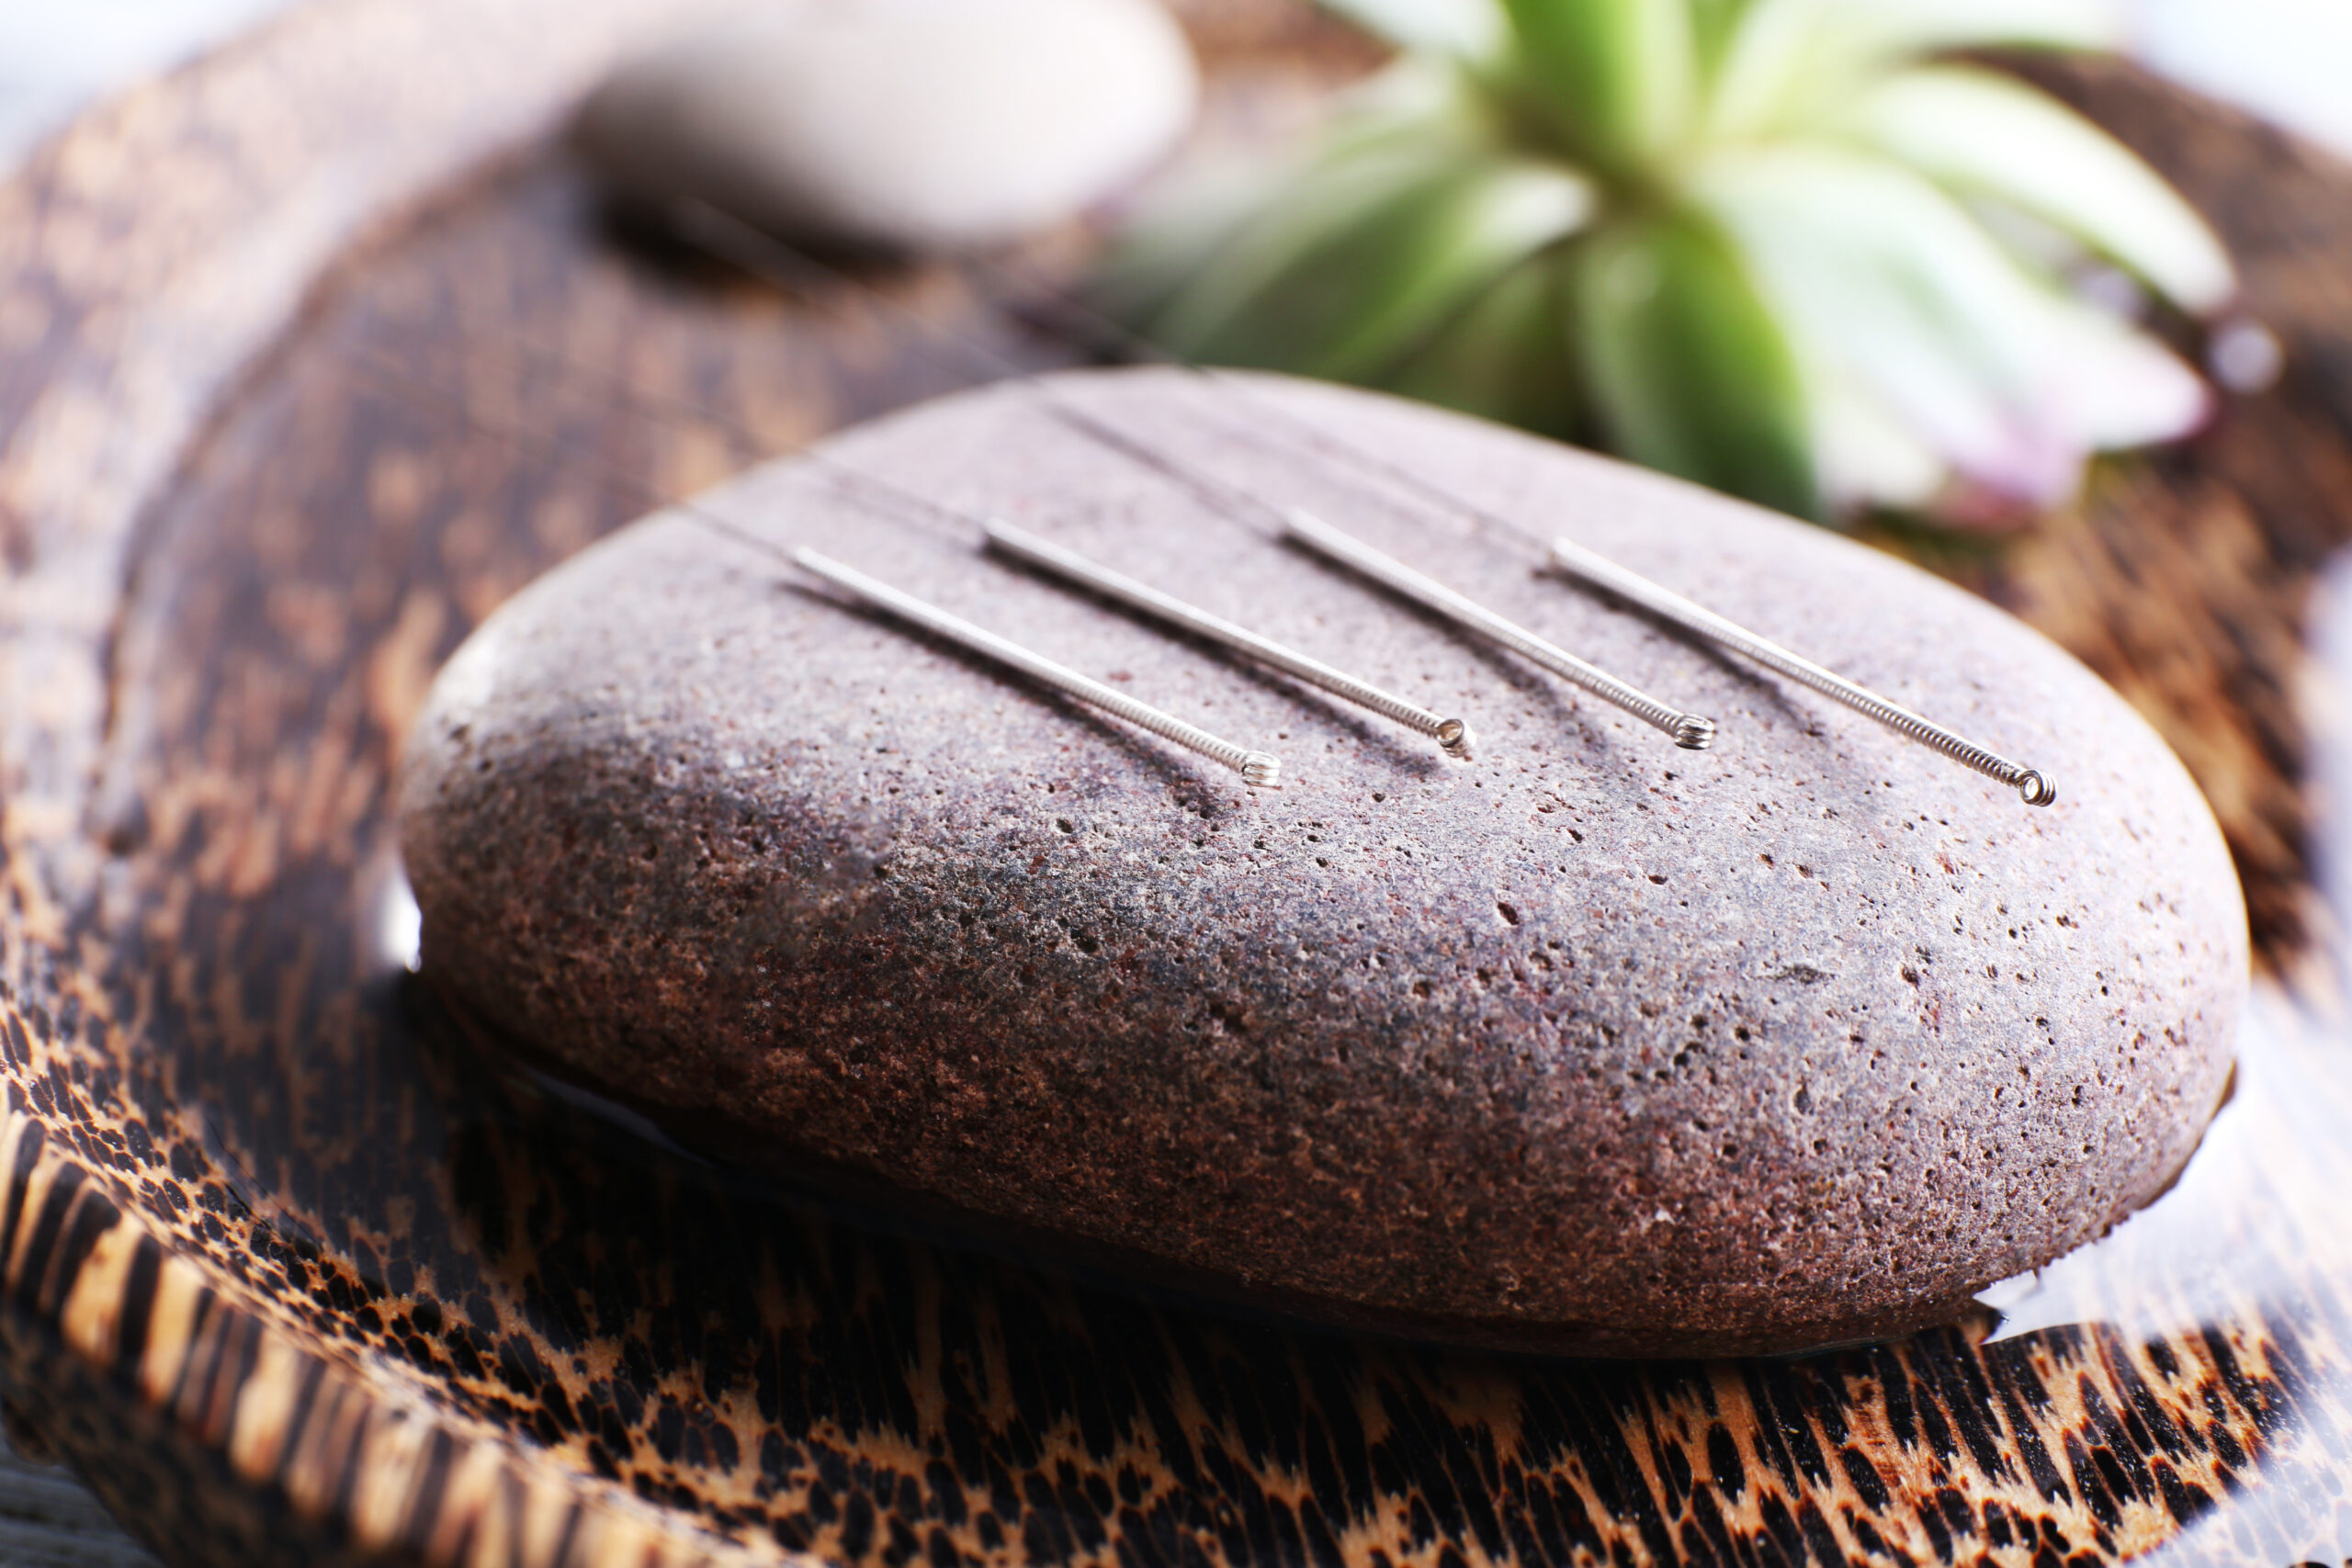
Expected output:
(1588, 1044)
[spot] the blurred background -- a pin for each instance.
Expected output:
(2282, 59)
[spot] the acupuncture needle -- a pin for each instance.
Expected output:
(1688, 731)
(1260, 770)
(1603, 572)
(1452, 735)
(2033, 787)
(738, 242)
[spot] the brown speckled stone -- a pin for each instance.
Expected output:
(1590, 1045)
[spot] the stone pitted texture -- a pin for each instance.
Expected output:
(1589, 1045)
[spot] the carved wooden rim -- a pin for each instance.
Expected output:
(132, 312)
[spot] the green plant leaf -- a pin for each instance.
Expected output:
(1203, 246)
(1771, 56)
(2113, 386)
(1219, 287)
(1793, 63)
(1977, 132)
(1202, 251)
(1713, 25)
(1684, 365)
(1896, 27)
(1448, 242)
(1161, 250)
(1884, 283)
(1751, 242)
(1507, 355)
(1345, 287)
(1864, 453)
(1617, 78)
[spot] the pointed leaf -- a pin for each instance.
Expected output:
(1897, 28)
(1471, 230)
(1867, 456)
(1164, 247)
(1977, 132)
(2115, 387)
(1884, 283)
(1222, 286)
(1507, 355)
(1366, 289)
(1713, 25)
(1202, 245)
(1619, 78)
(1773, 69)
(1686, 368)
(1792, 64)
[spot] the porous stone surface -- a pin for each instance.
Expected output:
(907, 124)
(1587, 1044)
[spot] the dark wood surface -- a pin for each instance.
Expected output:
(292, 1273)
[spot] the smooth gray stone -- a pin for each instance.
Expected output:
(1589, 1045)
(907, 124)
(49, 1520)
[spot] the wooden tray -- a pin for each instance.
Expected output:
(310, 355)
